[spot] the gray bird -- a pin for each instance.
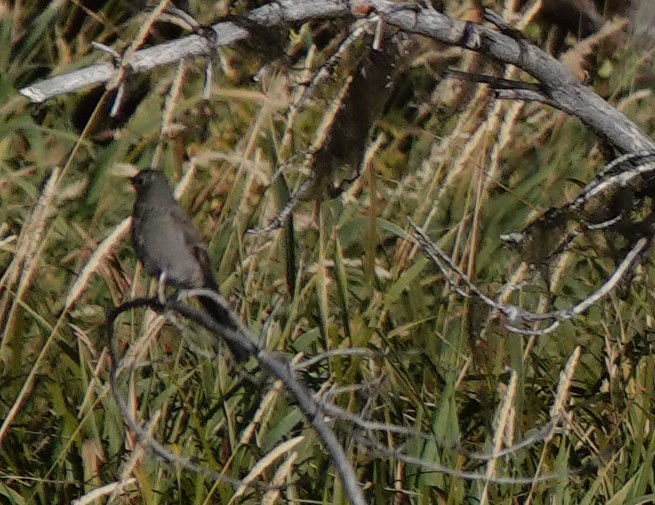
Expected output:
(168, 244)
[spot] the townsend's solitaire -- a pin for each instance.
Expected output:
(168, 244)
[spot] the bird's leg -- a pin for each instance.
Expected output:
(161, 287)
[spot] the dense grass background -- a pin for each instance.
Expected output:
(464, 166)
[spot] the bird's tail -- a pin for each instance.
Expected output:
(222, 316)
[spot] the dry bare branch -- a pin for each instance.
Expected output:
(515, 314)
(272, 364)
(560, 87)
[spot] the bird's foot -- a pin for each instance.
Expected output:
(161, 288)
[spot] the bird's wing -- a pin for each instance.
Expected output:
(185, 223)
(204, 261)
(192, 238)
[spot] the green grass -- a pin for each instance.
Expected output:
(436, 363)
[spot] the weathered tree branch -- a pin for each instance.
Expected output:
(225, 34)
(517, 315)
(273, 365)
(561, 88)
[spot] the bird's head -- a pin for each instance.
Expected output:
(148, 178)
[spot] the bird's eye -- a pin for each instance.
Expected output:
(137, 180)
